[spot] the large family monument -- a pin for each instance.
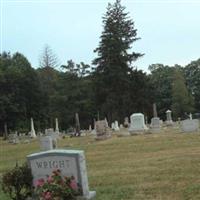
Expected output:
(70, 162)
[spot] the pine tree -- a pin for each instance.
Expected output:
(48, 58)
(114, 60)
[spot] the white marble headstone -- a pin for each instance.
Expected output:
(46, 143)
(189, 125)
(113, 126)
(32, 132)
(169, 121)
(137, 123)
(70, 162)
(116, 126)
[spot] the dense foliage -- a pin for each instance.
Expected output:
(112, 88)
(17, 182)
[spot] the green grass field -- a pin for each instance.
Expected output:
(154, 166)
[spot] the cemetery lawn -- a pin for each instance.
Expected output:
(162, 166)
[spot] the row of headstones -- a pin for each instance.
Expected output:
(16, 139)
(49, 135)
(137, 125)
(32, 133)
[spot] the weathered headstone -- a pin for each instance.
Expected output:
(13, 139)
(121, 126)
(70, 162)
(155, 121)
(113, 126)
(169, 121)
(46, 143)
(116, 126)
(56, 129)
(106, 121)
(93, 132)
(155, 124)
(146, 120)
(102, 130)
(32, 132)
(90, 128)
(50, 132)
(137, 123)
(126, 122)
(77, 125)
(190, 125)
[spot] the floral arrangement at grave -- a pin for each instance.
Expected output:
(56, 187)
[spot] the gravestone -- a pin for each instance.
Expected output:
(106, 121)
(46, 143)
(50, 132)
(56, 129)
(137, 123)
(102, 130)
(113, 126)
(169, 121)
(126, 122)
(77, 125)
(90, 128)
(13, 139)
(155, 124)
(32, 132)
(116, 126)
(70, 162)
(93, 132)
(190, 125)
(155, 121)
(146, 120)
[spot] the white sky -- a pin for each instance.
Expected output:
(169, 30)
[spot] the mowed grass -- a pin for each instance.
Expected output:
(154, 166)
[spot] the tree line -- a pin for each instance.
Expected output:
(112, 87)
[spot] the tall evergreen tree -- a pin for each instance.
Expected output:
(111, 76)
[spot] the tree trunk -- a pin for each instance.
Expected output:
(5, 131)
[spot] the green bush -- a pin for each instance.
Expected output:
(17, 183)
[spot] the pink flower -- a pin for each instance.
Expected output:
(47, 196)
(73, 184)
(39, 182)
(50, 179)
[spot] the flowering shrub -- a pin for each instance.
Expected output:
(17, 182)
(55, 187)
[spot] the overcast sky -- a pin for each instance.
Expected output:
(169, 30)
